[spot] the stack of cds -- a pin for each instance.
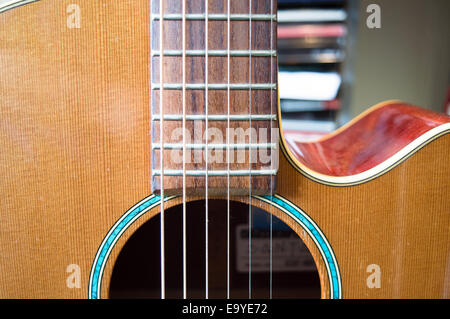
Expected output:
(312, 39)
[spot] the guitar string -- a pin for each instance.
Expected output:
(250, 155)
(228, 144)
(161, 137)
(184, 150)
(184, 144)
(206, 153)
(271, 158)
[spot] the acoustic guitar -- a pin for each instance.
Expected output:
(143, 155)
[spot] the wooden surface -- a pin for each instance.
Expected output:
(74, 137)
(369, 141)
(242, 102)
(74, 134)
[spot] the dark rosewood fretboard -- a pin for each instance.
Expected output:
(223, 78)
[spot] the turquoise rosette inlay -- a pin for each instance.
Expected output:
(152, 201)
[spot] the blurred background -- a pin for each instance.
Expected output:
(333, 66)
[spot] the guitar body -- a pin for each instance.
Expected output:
(75, 160)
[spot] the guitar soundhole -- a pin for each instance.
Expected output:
(136, 273)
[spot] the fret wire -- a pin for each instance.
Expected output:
(224, 173)
(215, 86)
(218, 17)
(216, 117)
(217, 53)
(206, 86)
(174, 146)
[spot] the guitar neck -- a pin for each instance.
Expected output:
(213, 96)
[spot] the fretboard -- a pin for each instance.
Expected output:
(214, 70)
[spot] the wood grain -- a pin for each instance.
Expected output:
(242, 101)
(368, 142)
(74, 134)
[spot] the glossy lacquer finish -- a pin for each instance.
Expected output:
(76, 155)
(368, 141)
